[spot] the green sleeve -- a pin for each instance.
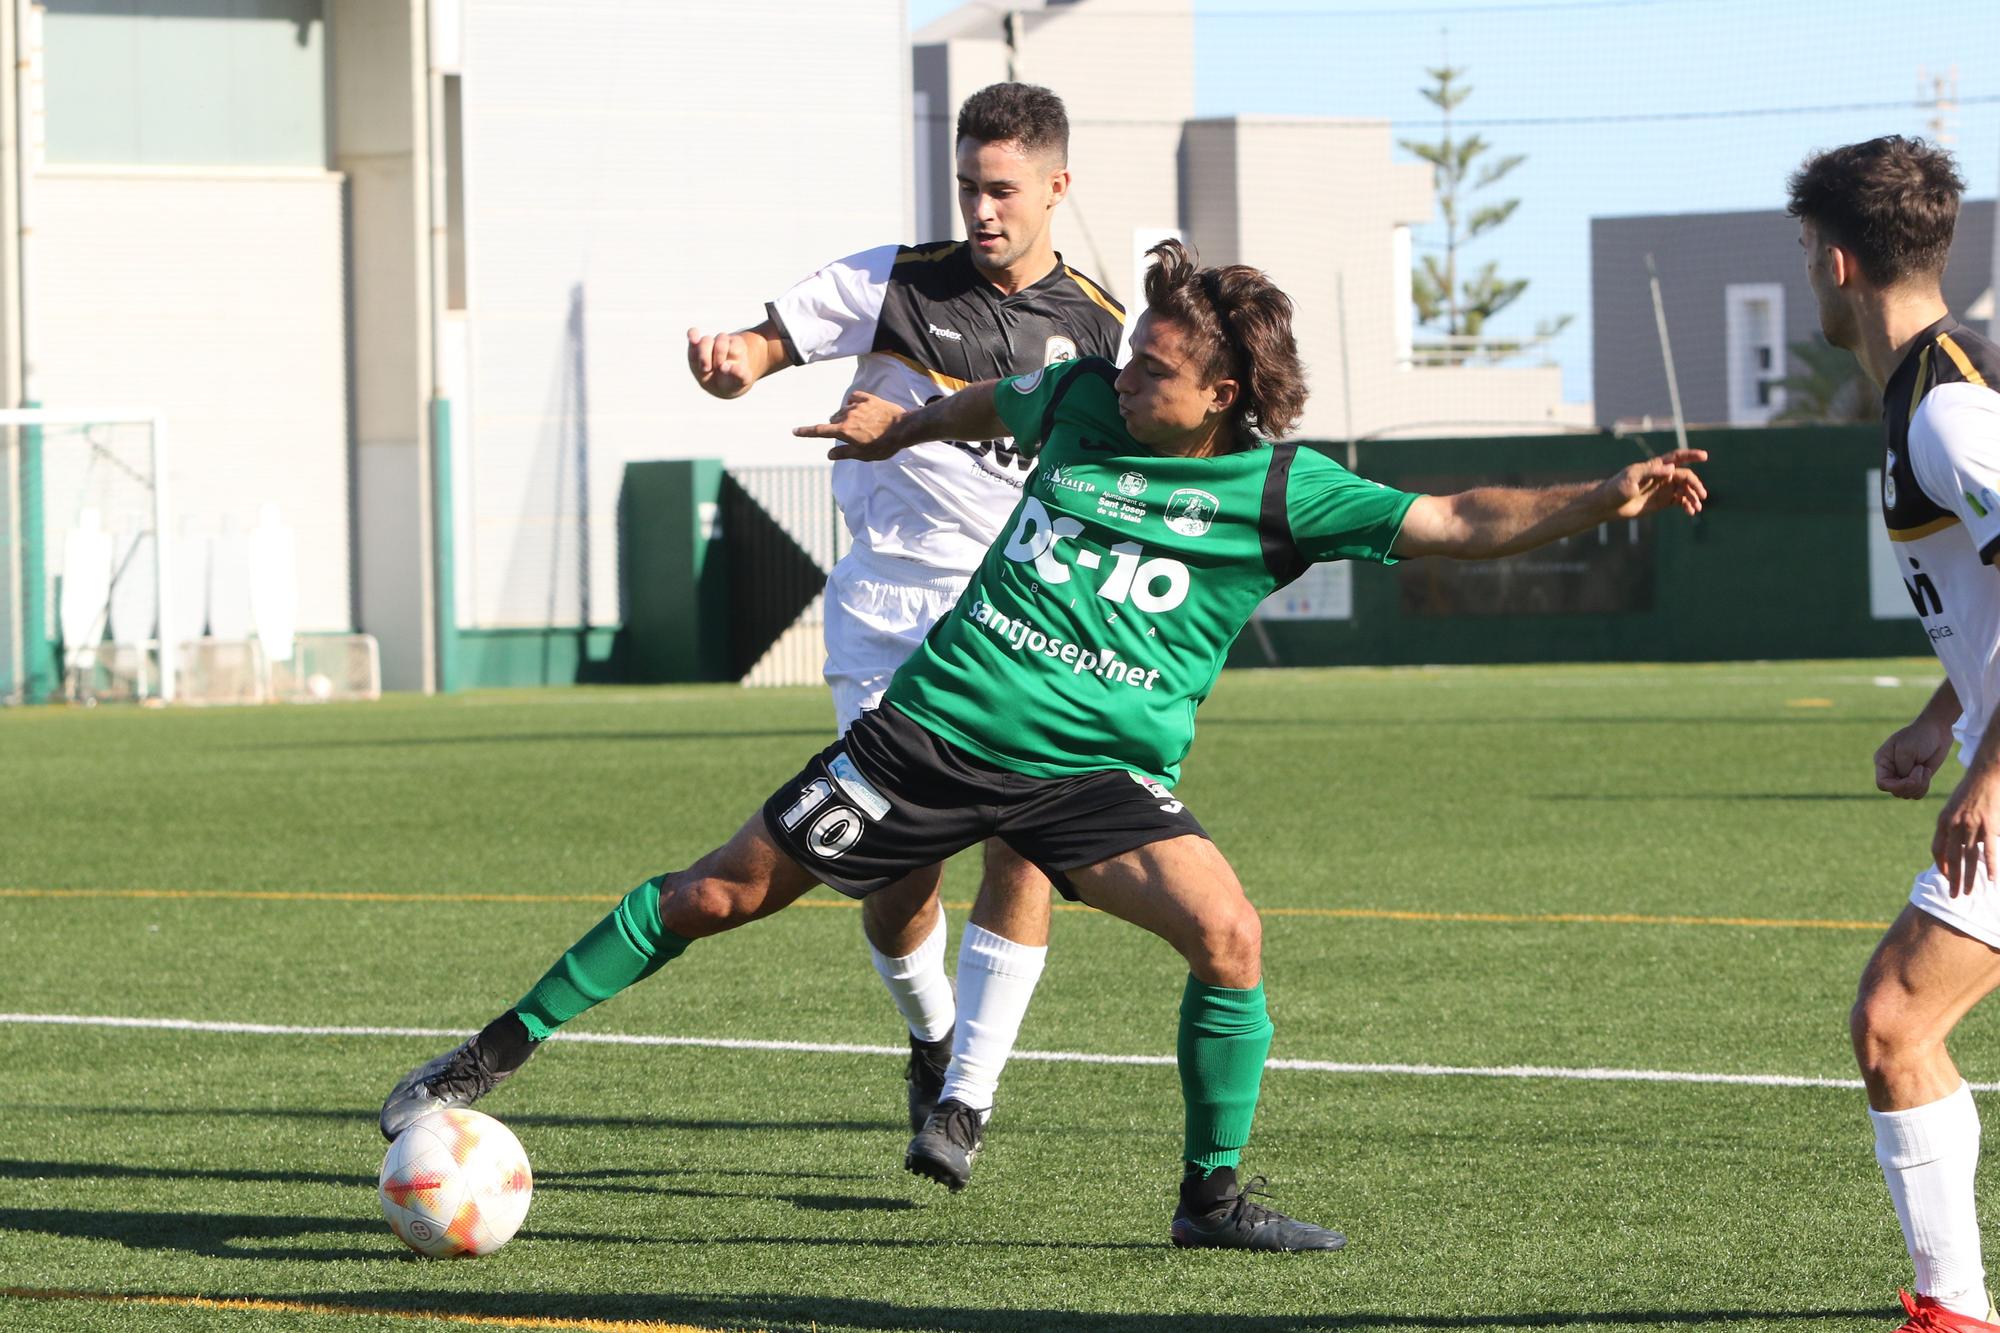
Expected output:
(1336, 515)
(1023, 403)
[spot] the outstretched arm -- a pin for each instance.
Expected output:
(871, 428)
(727, 364)
(1492, 521)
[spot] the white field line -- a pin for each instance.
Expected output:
(1585, 1075)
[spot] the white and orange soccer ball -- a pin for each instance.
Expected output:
(455, 1184)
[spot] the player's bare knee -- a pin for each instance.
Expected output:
(1229, 947)
(1888, 1039)
(694, 905)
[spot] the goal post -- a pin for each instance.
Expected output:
(91, 488)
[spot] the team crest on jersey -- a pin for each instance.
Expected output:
(1029, 382)
(1057, 349)
(1889, 481)
(1191, 512)
(1132, 484)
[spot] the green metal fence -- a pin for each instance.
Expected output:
(1777, 566)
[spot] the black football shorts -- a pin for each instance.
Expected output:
(890, 797)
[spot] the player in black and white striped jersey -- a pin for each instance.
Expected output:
(922, 321)
(1876, 222)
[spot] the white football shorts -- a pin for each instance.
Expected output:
(877, 612)
(1976, 914)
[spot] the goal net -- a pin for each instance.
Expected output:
(262, 669)
(89, 559)
(106, 595)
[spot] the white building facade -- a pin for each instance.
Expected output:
(418, 274)
(415, 275)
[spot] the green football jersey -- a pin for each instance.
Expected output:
(1096, 626)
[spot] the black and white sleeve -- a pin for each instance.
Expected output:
(834, 312)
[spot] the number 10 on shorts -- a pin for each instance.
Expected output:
(835, 828)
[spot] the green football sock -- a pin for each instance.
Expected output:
(622, 950)
(1225, 1035)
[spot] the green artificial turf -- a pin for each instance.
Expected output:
(416, 863)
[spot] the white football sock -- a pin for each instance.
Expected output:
(918, 984)
(1929, 1155)
(996, 979)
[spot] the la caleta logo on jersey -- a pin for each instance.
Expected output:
(1066, 479)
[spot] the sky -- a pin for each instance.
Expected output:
(1621, 106)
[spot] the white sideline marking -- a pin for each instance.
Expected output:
(1587, 1075)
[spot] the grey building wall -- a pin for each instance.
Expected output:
(1699, 255)
(934, 127)
(1211, 202)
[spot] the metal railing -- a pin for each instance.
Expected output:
(1471, 349)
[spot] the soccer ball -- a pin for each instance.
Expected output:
(455, 1184)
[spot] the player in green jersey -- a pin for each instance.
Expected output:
(1053, 705)
(1156, 523)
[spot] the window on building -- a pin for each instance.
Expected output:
(1754, 343)
(238, 83)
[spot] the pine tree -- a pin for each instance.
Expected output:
(1461, 308)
